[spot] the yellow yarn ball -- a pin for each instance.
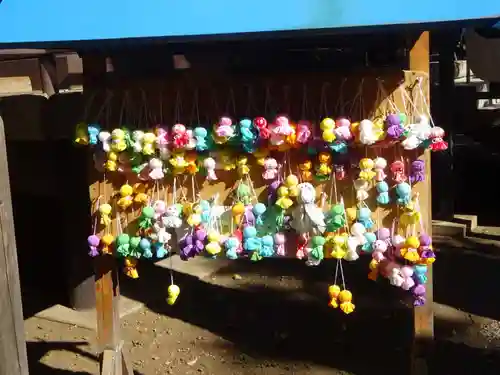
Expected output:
(327, 123)
(412, 242)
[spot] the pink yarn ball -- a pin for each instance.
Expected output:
(225, 121)
(279, 239)
(398, 241)
(380, 246)
(383, 234)
(378, 256)
(419, 290)
(407, 271)
(342, 121)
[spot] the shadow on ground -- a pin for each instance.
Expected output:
(464, 281)
(270, 319)
(37, 350)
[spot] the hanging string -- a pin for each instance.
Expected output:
(386, 97)
(415, 111)
(417, 208)
(323, 106)
(250, 183)
(119, 229)
(362, 109)
(336, 271)
(341, 104)
(333, 187)
(174, 191)
(231, 102)
(267, 102)
(374, 113)
(96, 208)
(88, 105)
(286, 99)
(160, 106)
(215, 104)
(304, 102)
(178, 107)
(424, 100)
(337, 108)
(148, 116)
(195, 112)
(342, 274)
(105, 104)
(358, 99)
(141, 112)
(122, 108)
(183, 191)
(171, 271)
(107, 115)
(378, 217)
(252, 106)
(323, 199)
(346, 227)
(402, 90)
(193, 191)
(289, 162)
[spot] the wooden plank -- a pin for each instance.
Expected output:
(13, 358)
(15, 85)
(23, 68)
(107, 291)
(48, 75)
(423, 316)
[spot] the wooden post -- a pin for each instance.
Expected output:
(113, 361)
(423, 318)
(13, 358)
(48, 75)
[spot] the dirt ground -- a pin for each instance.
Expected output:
(272, 318)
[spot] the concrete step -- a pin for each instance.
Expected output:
(448, 229)
(470, 221)
(465, 226)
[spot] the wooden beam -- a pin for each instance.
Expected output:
(13, 358)
(423, 319)
(48, 73)
(15, 85)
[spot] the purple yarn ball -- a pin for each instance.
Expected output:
(200, 234)
(419, 290)
(393, 120)
(427, 254)
(425, 240)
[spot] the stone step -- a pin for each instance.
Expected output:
(470, 221)
(465, 226)
(448, 229)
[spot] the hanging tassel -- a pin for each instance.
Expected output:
(173, 294)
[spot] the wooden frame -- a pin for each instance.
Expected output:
(107, 289)
(423, 327)
(12, 343)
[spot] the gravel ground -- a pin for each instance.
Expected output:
(271, 318)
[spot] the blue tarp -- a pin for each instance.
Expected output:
(68, 20)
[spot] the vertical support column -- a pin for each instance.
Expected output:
(13, 358)
(423, 319)
(107, 291)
